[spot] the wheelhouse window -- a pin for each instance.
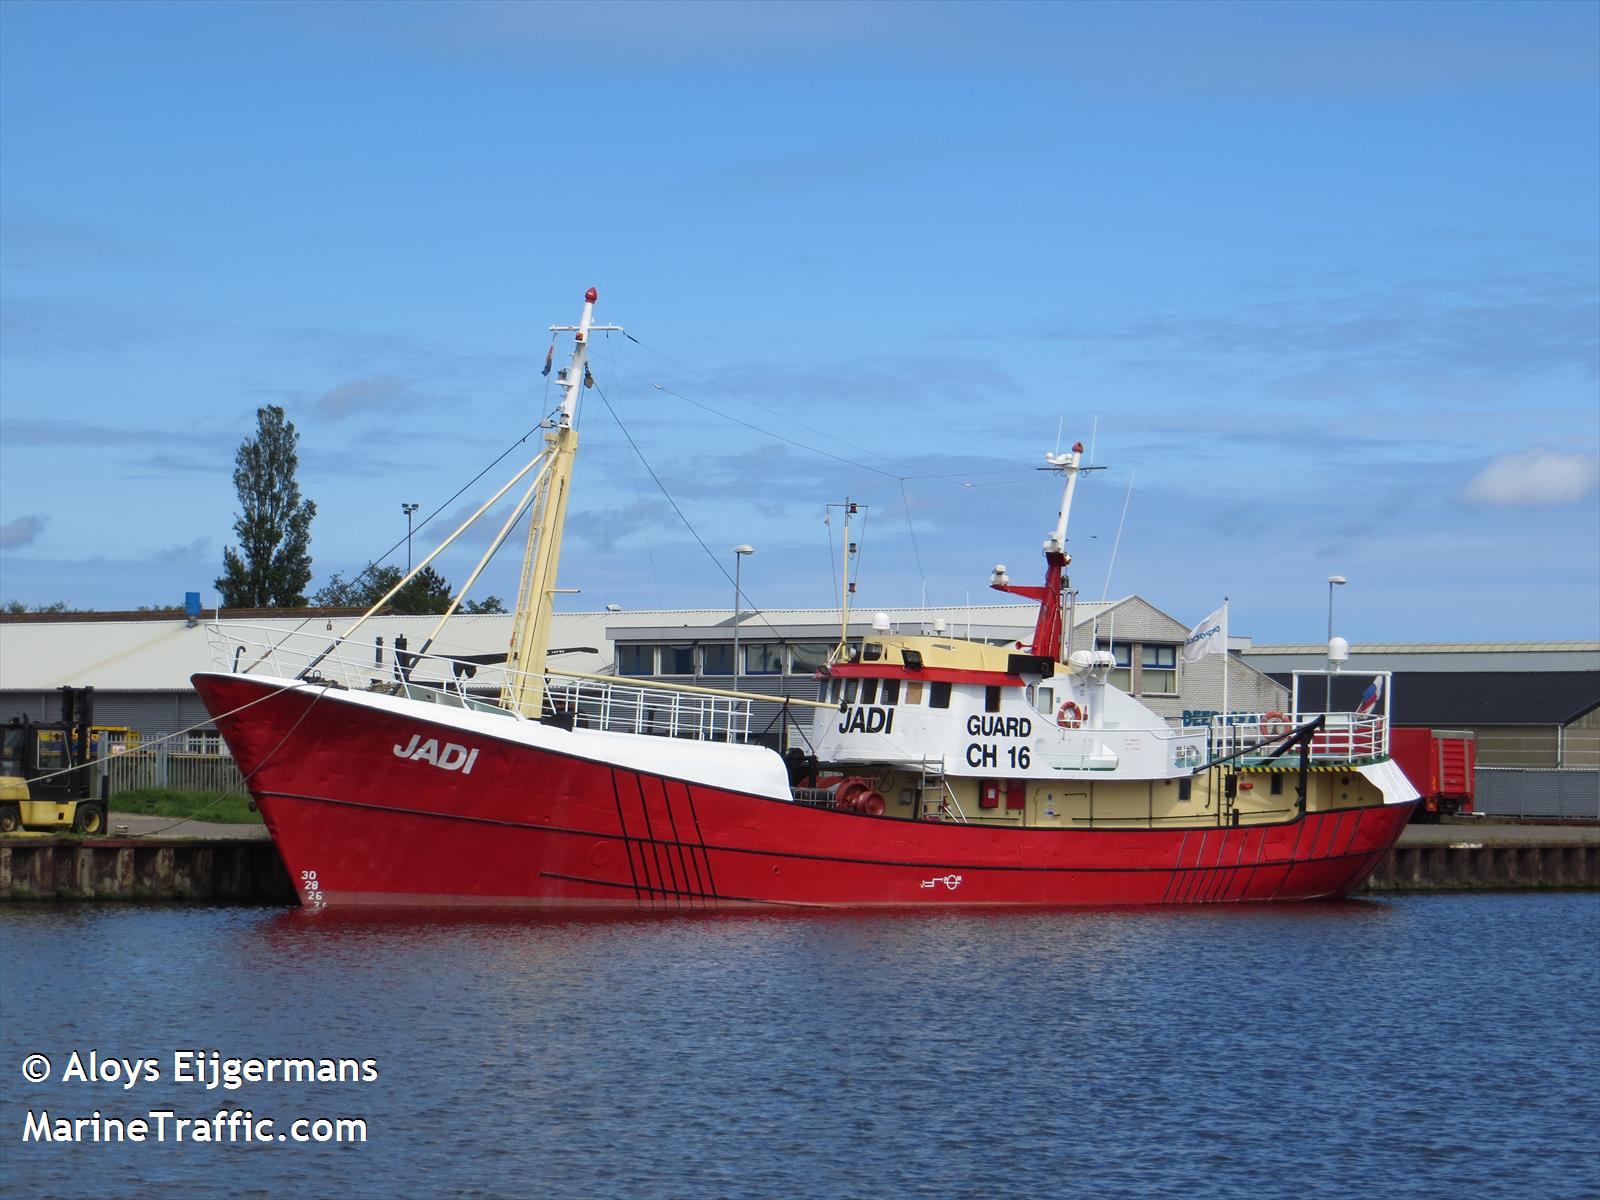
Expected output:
(636, 660)
(939, 695)
(991, 698)
(763, 658)
(914, 691)
(890, 694)
(716, 658)
(807, 658)
(677, 659)
(851, 688)
(869, 691)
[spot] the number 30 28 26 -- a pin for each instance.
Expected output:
(311, 890)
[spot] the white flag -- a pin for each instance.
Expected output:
(1207, 637)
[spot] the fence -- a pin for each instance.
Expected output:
(161, 768)
(1571, 793)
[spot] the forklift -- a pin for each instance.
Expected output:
(46, 773)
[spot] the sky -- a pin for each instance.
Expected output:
(1318, 285)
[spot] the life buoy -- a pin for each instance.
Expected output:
(1274, 724)
(1069, 715)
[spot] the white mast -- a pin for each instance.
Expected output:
(1067, 464)
(530, 637)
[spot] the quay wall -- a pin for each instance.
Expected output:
(249, 871)
(224, 870)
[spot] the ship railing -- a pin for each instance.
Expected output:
(382, 665)
(1255, 738)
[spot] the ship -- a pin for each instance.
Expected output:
(937, 771)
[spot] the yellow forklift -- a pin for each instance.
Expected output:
(46, 771)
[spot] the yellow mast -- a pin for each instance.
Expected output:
(530, 636)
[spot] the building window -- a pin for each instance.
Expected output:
(204, 741)
(807, 658)
(636, 660)
(716, 658)
(763, 658)
(939, 695)
(1120, 676)
(1158, 673)
(677, 660)
(891, 692)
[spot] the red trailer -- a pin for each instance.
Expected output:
(1440, 764)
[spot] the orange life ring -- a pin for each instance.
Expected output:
(1069, 715)
(1274, 724)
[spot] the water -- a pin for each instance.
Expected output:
(1417, 1046)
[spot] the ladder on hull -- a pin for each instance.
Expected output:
(936, 801)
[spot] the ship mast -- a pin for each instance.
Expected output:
(841, 652)
(1049, 637)
(530, 636)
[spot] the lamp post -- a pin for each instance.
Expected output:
(1327, 700)
(408, 509)
(738, 561)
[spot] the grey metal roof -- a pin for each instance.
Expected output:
(791, 624)
(1461, 657)
(128, 652)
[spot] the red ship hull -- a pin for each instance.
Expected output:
(535, 827)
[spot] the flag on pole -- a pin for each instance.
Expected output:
(549, 358)
(1206, 638)
(1370, 697)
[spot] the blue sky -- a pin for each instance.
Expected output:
(1322, 281)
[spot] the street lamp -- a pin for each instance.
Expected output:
(408, 509)
(1333, 582)
(738, 561)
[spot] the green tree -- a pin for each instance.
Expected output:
(273, 563)
(17, 607)
(429, 592)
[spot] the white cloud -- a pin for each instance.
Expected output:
(378, 392)
(1536, 478)
(21, 532)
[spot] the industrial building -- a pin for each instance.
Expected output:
(140, 663)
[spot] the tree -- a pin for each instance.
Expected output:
(429, 592)
(272, 565)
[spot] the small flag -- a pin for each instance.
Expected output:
(1370, 697)
(1205, 638)
(549, 357)
(588, 379)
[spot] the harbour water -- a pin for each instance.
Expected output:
(1404, 1046)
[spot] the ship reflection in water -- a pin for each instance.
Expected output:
(1419, 1046)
